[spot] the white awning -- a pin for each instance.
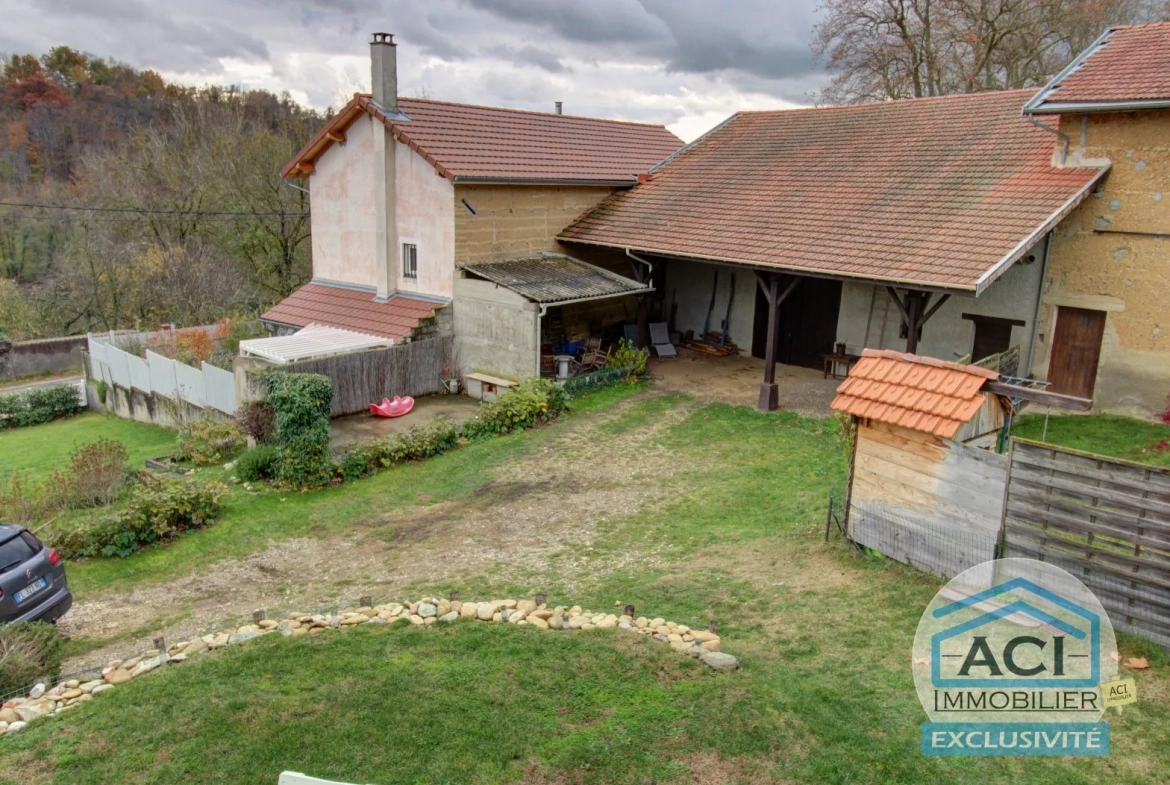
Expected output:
(311, 343)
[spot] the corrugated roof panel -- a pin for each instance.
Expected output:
(551, 278)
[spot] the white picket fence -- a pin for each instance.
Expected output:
(206, 387)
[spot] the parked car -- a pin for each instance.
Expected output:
(32, 578)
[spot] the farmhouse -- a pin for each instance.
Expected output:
(404, 191)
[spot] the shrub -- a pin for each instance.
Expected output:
(531, 402)
(421, 441)
(97, 473)
(258, 463)
(190, 346)
(626, 355)
(356, 464)
(301, 403)
(103, 390)
(29, 651)
(38, 405)
(258, 420)
(209, 441)
(154, 513)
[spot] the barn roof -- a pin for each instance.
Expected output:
(937, 192)
(920, 393)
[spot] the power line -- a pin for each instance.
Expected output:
(138, 211)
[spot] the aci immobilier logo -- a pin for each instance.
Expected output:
(1009, 659)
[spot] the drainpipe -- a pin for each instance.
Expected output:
(1063, 136)
(1039, 302)
(643, 303)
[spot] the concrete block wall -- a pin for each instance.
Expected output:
(496, 331)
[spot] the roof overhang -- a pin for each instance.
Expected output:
(1097, 107)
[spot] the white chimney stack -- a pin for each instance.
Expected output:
(384, 71)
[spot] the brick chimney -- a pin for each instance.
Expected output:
(384, 71)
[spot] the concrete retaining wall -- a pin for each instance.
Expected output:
(496, 330)
(51, 355)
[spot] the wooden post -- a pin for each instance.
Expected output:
(643, 274)
(913, 306)
(769, 395)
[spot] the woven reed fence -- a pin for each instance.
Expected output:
(359, 379)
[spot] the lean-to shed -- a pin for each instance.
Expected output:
(919, 491)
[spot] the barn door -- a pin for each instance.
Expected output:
(1076, 351)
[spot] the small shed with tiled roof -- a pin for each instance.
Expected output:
(916, 464)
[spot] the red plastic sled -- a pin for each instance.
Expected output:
(392, 408)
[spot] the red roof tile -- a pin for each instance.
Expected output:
(350, 309)
(1130, 63)
(946, 192)
(921, 393)
(466, 142)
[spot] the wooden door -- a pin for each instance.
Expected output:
(1076, 351)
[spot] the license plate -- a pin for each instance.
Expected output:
(30, 590)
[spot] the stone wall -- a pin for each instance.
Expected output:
(1125, 275)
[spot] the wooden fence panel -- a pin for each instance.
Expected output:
(1104, 520)
(363, 378)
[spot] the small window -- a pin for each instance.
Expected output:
(409, 260)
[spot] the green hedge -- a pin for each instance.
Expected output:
(153, 514)
(529, 403)
(421, 441)
(259, 463)
(38, 405)
(301, 403)
(207, 441)
(597, 380)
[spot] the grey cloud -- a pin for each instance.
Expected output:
(596, 21)
(530, 55)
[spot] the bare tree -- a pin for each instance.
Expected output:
(883, 49)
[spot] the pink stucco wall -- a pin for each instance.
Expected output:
(344, 217)
(426, 217)
(342, 194)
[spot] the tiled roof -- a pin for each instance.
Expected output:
(551, 278)
(945, 192)
(466, 142)
(920, 393)
(1126, 64)
(350, 309)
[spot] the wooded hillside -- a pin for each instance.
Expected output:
(129, 202)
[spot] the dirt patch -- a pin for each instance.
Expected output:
(548, 502)
(708, 768)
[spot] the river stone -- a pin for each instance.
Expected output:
(71, 694)
(417, 620)
(377, 620)
(720, 661)
(681, 646)
(452, 616)
(101, 688)
(37, 691)
(484, 611)
(194, 647)
(300, 631)
(89, 676)
(427, 610)
(538, 622)
(34, 710)
(457, 606)
(178, 658)
(145, 666)
(608, 623)
(241, 637)
(88, 686)
(130, 664)
(711, 645)
(360, 618)
(543, 613)
(72, 684)
(116, 676)
(469, 610)
(8, 715)
(704, 635)
(268, 624)
(528, 606)
(16, 727)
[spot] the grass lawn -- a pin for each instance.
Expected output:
(691, 511)
(1104, 434)
(43, 448)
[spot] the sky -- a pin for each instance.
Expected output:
(688, 64)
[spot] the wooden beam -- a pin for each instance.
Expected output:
(933, 308)
(1042, 397)
(898, 302)
(914, 306)
(335, 136)
(305, 168)
(769, 397)
(976, 317)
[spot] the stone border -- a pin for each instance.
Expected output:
(41, 702)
